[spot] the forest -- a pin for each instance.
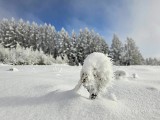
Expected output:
(22, 42)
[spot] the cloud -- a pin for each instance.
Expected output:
(138, 19)
(13, 9)
(144, 26)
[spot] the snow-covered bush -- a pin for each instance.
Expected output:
(22, 56)
(4, 54)
(13, 69)
(134, 75)
(120, 74)
(96, 74)
(61, 60)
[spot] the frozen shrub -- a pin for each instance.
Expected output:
(61, 60)
(27, 56)
(13, 69)
(96, 74)
(120, 74)
(4, 53)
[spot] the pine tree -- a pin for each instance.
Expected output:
(27, 34)
(82, 45)
(9, 37)
(21, 33)
(116, 50)
(132, 53)
(66, 41)
(73, 50)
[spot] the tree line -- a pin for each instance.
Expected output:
(56, 43)
(129, 53)
(74, 46)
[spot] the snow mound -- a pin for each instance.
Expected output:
(152, 88)
(113, 97)
(13, 69)
(120, 74)
(134, 75)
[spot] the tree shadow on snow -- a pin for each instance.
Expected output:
(50, 98)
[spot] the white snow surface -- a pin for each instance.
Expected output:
(45, 93)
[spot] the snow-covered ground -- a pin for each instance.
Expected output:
(45, 93)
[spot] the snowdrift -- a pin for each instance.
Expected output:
(45, 93)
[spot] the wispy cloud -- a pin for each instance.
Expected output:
(144, 27)
(138, 19)
(9, 10)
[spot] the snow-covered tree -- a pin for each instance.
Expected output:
(51, 38)
(81, 46)
(65, 41)
(132, 53)
(20, 32)
(97, 44)
(89, 42)
(73, 50)
(28, 34)
(9, 36)
(116, 50)
(60, 44)
(152, 61)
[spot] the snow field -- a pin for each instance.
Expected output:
(45, 93)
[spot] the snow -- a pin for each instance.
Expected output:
(113, 97)
(45, 93)
(13, 69)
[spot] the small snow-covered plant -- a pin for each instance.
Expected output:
(120, 74)
(4, 53)
(26, 56)
(61, 60)
(43, 59)
(13, 69)
(96, 74)
(134, 75)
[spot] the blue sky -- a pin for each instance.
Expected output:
(127, 18)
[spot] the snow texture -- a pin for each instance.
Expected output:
(45, 93)
(96, 74)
